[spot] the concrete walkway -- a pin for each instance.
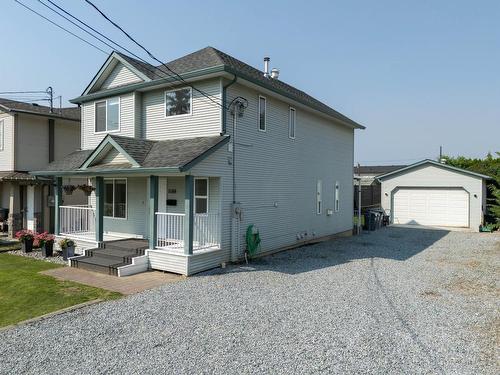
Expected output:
(125, 285)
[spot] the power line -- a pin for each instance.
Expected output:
(151, 55)
(23, 92)
(59, 26)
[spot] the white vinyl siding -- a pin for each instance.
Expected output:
(90, 139)
(262, 113)
(272, 195)
(292, 118)
(119, 76)
(205, 118)
(2, 127)
(319, 193)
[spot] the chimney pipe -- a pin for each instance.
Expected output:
(266, 67)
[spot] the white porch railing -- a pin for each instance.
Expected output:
(170, 231)
(77, 220)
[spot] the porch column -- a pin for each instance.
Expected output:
(99, 209)
(57, 203)
(153, 208)
(189, 217)
(30, 208)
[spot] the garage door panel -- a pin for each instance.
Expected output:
(440, 207)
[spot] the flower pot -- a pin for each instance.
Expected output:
(27, 246)
(48, 249)
(68, 252)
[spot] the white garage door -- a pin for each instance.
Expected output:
(440, 207)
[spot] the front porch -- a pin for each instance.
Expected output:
(178, 232)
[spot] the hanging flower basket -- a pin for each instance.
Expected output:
(87, 189)
(69, 189)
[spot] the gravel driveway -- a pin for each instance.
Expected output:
(394, 301)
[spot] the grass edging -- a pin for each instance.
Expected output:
(53, 313)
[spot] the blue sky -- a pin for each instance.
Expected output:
(417, 74)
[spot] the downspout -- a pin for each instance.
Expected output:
(224, 103)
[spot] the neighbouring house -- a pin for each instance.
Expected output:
(31, 136)
(366, 176)
(434, 194)
(186, 173)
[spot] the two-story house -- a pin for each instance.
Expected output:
(31, 136)
(196, 166)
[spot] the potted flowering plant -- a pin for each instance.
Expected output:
(26, 238)
(87, 189)
(68, 248)
(46, 242)
(69, 189)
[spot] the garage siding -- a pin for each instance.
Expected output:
(433, 176)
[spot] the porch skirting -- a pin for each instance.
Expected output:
(184, 264)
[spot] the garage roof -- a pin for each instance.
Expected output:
(432, 162)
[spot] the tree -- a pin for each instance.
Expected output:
(489, 166)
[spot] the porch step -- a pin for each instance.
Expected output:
(114, 254)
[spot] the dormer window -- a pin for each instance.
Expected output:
(107, 115)
(178, 102)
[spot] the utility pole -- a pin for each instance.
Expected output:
(50, 92)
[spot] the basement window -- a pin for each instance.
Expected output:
(107, 115)
(115, 198)
(178, 102)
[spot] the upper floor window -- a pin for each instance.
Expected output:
(178, 102)
(262, 113)
(2, 131)
(201, 195)
(107, 115)
(291, 123)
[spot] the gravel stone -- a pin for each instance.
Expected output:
(37, 254)
(394, 301)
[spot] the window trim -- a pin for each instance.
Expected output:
(119, 116)
(336, 200)
(2, 135)
(265, 114)
(290, 110)
(190, 102)
(126, 197)
(319, 197)
(201, 196)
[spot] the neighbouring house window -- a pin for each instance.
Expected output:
(337, 196)
(291, 123)
(115, 198)
(262, 113)
(2, 131)
(178, 102)
(201, 195)
(319, 188)
(107, 115)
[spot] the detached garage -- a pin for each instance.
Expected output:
(434, 194)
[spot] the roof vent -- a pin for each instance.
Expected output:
(266, 67)
(275, 73)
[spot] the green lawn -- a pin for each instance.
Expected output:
(25, 293)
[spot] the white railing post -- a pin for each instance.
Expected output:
(77, 220)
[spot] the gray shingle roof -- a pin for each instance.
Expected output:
(175, 153)
(211, 57)
(69, 162)
(377, 169)
(71, 113)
